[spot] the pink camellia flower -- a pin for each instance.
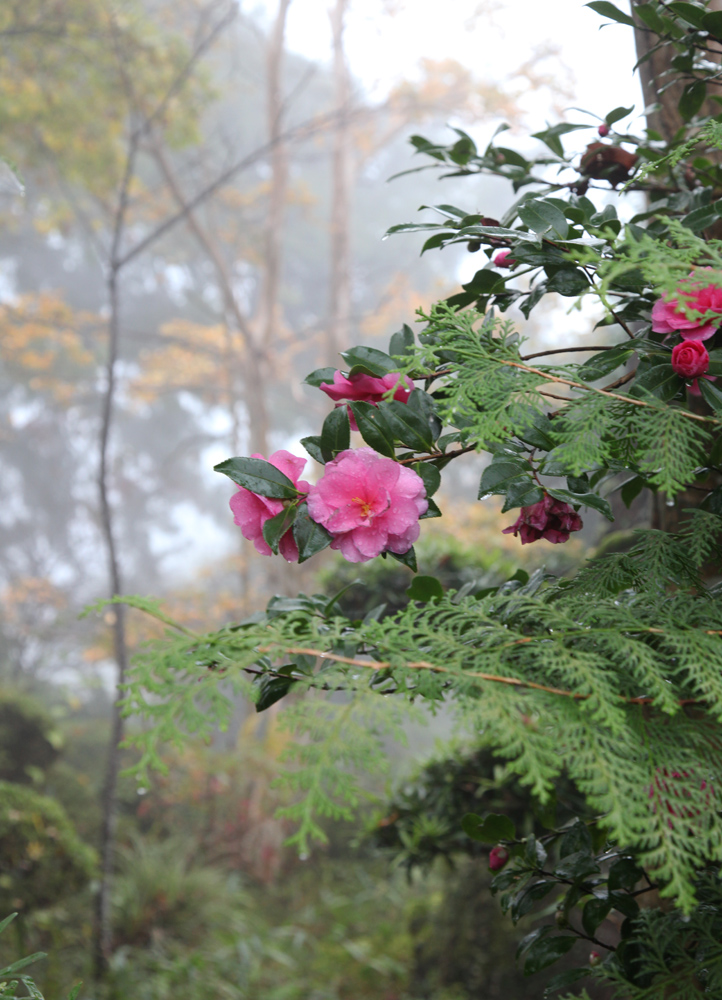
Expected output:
(369, 503)
(671, 315)
(503, 258)
(498, 857)
(551, 519)
(251, 511)
(367, 388)
(690, 359)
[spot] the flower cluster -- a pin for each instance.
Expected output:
(549, 518)
(368, 503)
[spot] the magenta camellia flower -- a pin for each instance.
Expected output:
(503, 258)
(551, 519)
(690, 359)
(498, 857)
(370, 504)
(671, 315)
(251, 511)
(367, 389)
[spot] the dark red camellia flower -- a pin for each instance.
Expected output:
(498, 857)
(609, 163)
(690, 359)
(551, 519)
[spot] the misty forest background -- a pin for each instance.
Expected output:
(190, 221)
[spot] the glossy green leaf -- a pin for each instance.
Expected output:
(537, 430)
(609, 10)
(564, 979)
(312, 445)
(569, 282)
(498, 474)
(276, 527)
(712, 22)
(374, 428)
(603, 364)
(711, 394)
(406, 558)
(687, 11)
(310, 536)
(526, 899)
(576, 838)
(490, 829)
(544, 219)
(585, 499)
(617, 115)
(547, 950)
(430, 475)
(408, 426)
(624, 874)
(431, 511)
(258, 476)
(371, 360)
(577, 866)
(692, 98)
(594, 912)
(425, 588)
(402, 342)
(631, 489)
(320, 375)
(651, 18)
(272, 689)
(335, 433)
(661, 381)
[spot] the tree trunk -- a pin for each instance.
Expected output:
(270, 306)
(339, 312)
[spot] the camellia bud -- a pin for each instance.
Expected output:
(690, 359)
(503, 258)
(498, 857)
(603, 129)
(594, 958)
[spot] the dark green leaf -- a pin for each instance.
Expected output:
(688, 11)
(701, 218)
(425, 588)
(431, 511)
(712, 22)
(715, 362)
(586, 499)
(544, 219)
(310, 536)
(577, 866)
(631, 489)
(661, 381)
(498, 474)
(485, 283)
(537, 430)
(547, 950)
(713, 501)
(569, 282)
(550, 136)
(272, 690)
(626, 904)
(524, 902)
(489, 829)
(335, 433)
(406, 558)
(609, 10)
(402, 342)
(21, 963)
(624, 874)
(320, 375)
(313, 447)
(276, 527)
(603, 364)
(646, 13)
(423, 404)
(576, 838)
(370, 361)
(594, 912)
(374, 429)
(617, 115)
(522, 493)
(711, 394)
(258, 476)
(430, 475)
(693, 96)
(564, 979)
(407, 425)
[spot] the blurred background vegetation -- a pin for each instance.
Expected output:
(191, 216)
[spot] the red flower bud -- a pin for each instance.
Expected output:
(690, 359)
(498, 857)
(603, 130)
(594, 958)
(503, 258)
